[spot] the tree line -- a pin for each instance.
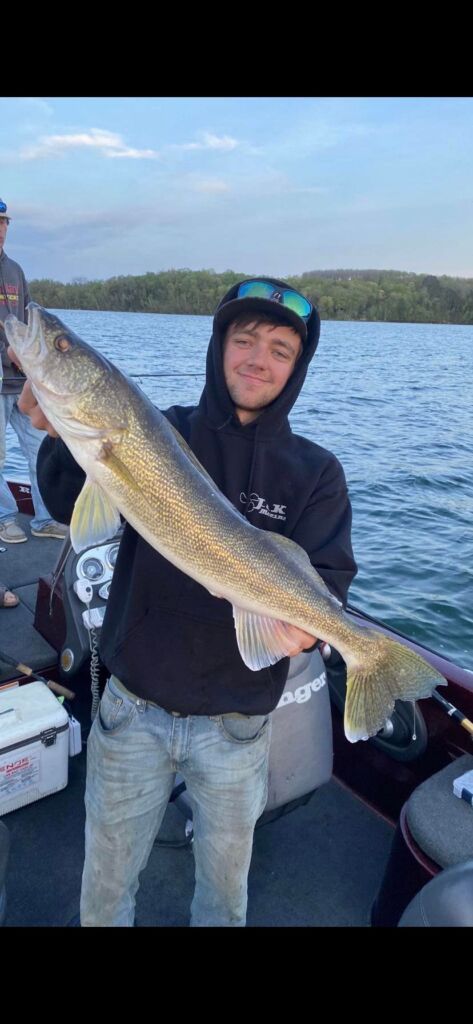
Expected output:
(389, 295)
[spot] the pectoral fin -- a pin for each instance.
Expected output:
(261, 640)
(95, 518)
(113, 462)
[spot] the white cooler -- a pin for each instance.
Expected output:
(34, 745)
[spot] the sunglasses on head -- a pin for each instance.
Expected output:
(285, 296)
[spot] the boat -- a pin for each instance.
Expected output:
(336, 846)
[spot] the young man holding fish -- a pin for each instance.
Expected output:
(180, 697)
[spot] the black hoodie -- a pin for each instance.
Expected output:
(164, 635)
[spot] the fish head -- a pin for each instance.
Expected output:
(54, 358)
(78, 389)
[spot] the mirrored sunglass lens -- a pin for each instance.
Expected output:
(297, 303)
(257, 289)
(265, 290)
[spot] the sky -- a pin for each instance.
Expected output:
(104, 186)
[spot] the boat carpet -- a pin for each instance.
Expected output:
(320, 865)
(20, 567)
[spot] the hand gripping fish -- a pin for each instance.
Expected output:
(138, 465)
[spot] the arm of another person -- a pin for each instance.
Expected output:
(60, 478)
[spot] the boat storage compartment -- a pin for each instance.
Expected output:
(34, 745)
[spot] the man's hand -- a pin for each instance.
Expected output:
(301, 640)
(27, 402)
(12, 355)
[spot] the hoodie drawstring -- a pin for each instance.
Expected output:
(251, 474)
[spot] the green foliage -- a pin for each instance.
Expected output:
(390, 295)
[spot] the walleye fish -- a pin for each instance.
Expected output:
(138, 465)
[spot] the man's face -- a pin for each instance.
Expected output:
(257, 363)
(3, 231)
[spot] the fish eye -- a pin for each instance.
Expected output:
(62, 343)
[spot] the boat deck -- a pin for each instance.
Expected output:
(20, 567)
(320, 865)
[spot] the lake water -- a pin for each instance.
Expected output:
(393, 402)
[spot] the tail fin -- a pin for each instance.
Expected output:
(390, 672)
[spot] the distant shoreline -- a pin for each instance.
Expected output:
(389, 296)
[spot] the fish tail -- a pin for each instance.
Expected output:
(385, 672)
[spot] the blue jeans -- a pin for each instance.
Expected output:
(30, 440)
(135, 749)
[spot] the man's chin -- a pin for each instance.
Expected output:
(247, 414)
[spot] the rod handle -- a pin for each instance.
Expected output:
(61, 690)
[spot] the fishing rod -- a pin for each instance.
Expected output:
(166, 374)
(27, 671)
(163, 374)
(453, 712)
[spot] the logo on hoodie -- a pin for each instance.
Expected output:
(257, 504)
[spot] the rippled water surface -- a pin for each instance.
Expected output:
(394, 402)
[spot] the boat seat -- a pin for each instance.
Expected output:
(440, 823)
(445, 902)
(435, 832)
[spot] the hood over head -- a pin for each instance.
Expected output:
(215, 401)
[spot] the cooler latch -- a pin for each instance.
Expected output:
(48, 737)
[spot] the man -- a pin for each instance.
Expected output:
(14, 299)
(180, 697)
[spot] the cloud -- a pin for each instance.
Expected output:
(209, 141)
(108, 144)
(112, 145)
(219, 142)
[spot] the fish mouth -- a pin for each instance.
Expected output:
(15, 332)
(34, 336)
(30, 345)
(25, 337)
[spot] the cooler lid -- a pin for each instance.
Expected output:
(26, 711)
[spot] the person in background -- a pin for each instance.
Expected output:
(179, 696)
(14, 299)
